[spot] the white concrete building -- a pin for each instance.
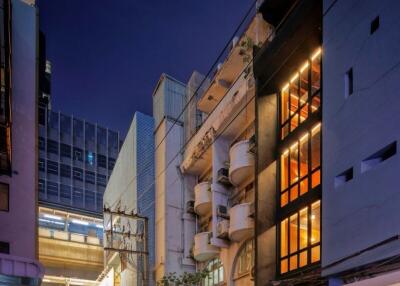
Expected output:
(130, 191)
(204, 184)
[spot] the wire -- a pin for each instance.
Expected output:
(206, 77)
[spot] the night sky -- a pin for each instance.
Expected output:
(107, 55)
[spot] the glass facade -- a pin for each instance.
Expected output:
(145, 172)
(70, 226)
(5, 93)
(76, 159)
(300, 168)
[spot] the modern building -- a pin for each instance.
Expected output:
(288, 135)
(18, 135)
(360, 142)
(130, 190)
(76, 159)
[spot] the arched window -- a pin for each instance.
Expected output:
(216, 273)
(244, 260)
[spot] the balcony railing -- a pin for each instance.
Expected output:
(69, 236)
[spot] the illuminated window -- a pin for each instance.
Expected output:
(90, 158)
(300, 243)
(216, 273)
(245, 260)
(301, 95)
(301, 166)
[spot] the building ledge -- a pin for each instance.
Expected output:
(20, 267)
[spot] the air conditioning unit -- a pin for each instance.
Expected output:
(222, 211)
(223, 176)
(190, 207)
(223, 229)
(252, 144)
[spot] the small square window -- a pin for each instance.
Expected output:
(4, 247)
(379, 157)
(348, 83)
(374, 25)
(344, 177)
(4, 197)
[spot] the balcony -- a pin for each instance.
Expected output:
(203, 250)
(202, 194)
(241, 224)
(241, 162)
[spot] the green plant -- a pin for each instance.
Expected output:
(187, 279)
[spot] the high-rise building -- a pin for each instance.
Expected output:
(76, 158)
(131, 190)
(18, 135)
(75, 161)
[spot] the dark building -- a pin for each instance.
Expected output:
(288, 130)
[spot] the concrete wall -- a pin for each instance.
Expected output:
(18, 226)
(266, 135)
(362, 211)
(173, 226)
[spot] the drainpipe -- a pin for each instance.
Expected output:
(183, 210)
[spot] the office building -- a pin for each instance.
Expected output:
(18, 135)
(130, 190)
(76, 159)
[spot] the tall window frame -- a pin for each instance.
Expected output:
(300, 238)
(301, 95)
(300, 166)
(299, 180)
